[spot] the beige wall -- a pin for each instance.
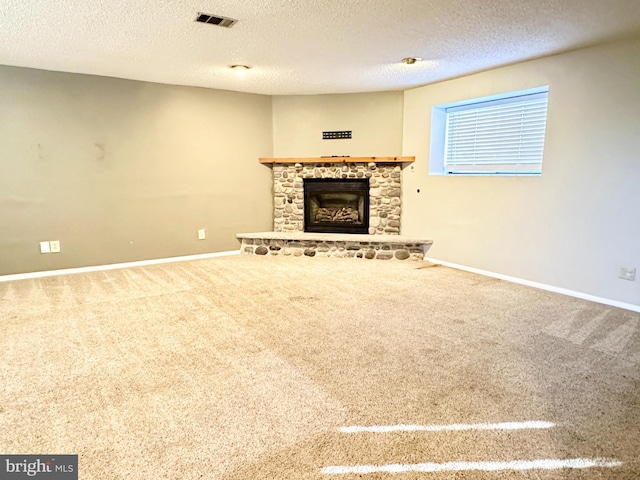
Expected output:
(574, 226)
(120, 170)
(374, 118)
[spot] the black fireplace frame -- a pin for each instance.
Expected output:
(313, 186)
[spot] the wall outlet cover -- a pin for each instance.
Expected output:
(55, 246)
(202, 234)
(628, 273)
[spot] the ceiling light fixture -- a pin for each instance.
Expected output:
(239, 68)
(411, 60)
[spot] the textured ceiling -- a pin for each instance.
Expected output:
(298, 46)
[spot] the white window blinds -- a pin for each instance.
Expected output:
(498, 136)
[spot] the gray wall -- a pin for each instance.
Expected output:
(574, 226)
(120, 170)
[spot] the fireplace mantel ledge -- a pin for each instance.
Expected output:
(265, 160)
(335, 237)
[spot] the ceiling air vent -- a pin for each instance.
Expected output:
(215, 20)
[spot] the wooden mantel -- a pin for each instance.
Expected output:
(339, 160)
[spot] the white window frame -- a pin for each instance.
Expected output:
(439, 131)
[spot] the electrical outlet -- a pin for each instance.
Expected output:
(628, 273)
(44, 247)
(55, 246)
(202, 234)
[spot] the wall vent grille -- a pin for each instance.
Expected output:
(336, 135)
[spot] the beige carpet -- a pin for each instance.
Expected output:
(246, 367)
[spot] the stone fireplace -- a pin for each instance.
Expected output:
(321, 205)
(384, 198)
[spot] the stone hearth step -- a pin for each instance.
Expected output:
(381, 247)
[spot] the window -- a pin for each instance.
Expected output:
(498, 135)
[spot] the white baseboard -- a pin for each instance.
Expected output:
(114, 266)
(541, 286)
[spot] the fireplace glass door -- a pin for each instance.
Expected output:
(334, 205)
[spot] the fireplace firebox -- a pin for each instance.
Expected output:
(333, 205)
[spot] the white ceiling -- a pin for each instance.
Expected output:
(298, 46)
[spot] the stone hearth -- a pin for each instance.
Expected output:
(297, 244)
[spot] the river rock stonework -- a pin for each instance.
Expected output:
(385, 190)
(339, 249)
